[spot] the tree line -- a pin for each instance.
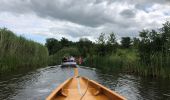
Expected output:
(103, 46)
(147, 54)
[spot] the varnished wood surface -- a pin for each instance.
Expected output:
(80, 88)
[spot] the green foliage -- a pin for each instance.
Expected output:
(112, 39)
(68, 51)
(53, 45)
(154, 52)
(106, 46)
(122, 59)
(101, 48)
(111, 43)
(126, 42)
(148, 55)
(135, 43)
(17, 52)
(65, 42)
(155, 45)
(85, 47)
(101, 39)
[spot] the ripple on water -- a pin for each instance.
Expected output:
(43, 80)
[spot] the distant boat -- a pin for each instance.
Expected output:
(69, 62)
(81, 88)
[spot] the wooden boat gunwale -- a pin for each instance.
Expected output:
(59, 88)
(102, 90)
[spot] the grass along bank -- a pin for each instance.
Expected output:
(128, 61)
(123, 58)
(17, 52)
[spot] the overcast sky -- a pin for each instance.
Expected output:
(74, 19)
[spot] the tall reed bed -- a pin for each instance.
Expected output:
(158, 67)
(127, 60)
(18, 52)
(113, 62)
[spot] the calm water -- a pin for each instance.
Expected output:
(37, 84)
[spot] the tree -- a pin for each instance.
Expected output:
(84, 45)
(150, 45)
(144, 47)
(65, 42)
(125, 42)
(165, 30)
(101, 39)
(53, 45)
(135, 42)
(166, 36)
(111, 39)
(101, 47)
(111, 43)
(155, 41)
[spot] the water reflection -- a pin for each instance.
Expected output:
(39, 83)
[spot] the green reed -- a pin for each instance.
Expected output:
(18, 52)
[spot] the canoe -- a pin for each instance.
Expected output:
(81, 88)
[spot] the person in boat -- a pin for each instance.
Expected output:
(64, 59)
(72, 59)
(80, 60)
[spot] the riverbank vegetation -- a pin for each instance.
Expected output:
(16, 52)
(147, 55)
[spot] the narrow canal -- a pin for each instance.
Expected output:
(37, 84)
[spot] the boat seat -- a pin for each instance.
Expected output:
(97, 91)
(64, 92)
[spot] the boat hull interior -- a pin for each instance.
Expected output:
(81, 88)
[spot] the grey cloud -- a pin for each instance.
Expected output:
(128, 13)
(82, 12)
(15, 6)
(74, 32)
(143, 7)
(90, 15)
(145, 4)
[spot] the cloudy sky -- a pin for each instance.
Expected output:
(74, 19)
